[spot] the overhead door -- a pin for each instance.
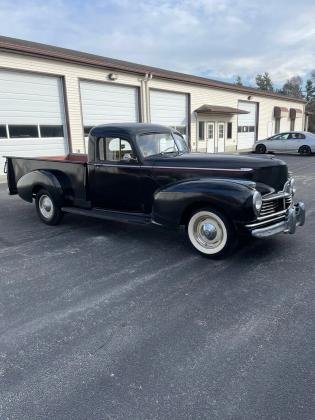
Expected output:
(32, 120)
(246, 130)
(104, 103)
(170, 109)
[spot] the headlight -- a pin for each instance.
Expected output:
(257, 202)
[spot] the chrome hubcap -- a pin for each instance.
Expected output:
(46, 206)
(207, 232)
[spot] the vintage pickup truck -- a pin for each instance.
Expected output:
(144, 173)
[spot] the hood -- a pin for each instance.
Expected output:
(264, 169)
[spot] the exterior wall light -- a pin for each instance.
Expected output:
(113, 76)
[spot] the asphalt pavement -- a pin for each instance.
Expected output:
(100, 320)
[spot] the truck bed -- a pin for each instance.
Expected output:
(72, 167)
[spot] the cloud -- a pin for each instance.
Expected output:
(215, 38)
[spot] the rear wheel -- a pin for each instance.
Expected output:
(211, 233)
(47, 209)
(261, 148)
(305, 150)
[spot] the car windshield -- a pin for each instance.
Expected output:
(152, 144)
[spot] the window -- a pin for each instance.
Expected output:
(201, 130)
(246, 129)
(51, 131)
(211, 131)
(21, 131)
(292, 125)
(229, 130)
(277, 125)
(161, 143)
(87, 130)
(114, 149)
(3, 132)
(221, 131)
(298, 136)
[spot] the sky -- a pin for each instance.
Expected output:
(213, 38)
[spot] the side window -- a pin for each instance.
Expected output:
(3, 132)
(114, 149)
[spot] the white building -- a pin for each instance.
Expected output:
(50, 97)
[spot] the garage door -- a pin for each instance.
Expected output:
(32, 121)
(170, 109)
(246, 129)
(104, 103)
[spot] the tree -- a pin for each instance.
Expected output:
(264, 82)
(293, 87)
(309, 90)
(238, 80)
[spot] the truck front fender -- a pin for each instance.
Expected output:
(231, 196)
(35, 180)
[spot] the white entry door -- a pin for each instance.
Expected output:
(210, 137)
(220, 144)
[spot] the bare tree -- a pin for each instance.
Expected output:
(293, 87)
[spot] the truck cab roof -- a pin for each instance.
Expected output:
(130, 129)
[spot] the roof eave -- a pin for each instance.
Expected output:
(51, 52)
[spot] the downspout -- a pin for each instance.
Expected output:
(145, 102)
(197, 131)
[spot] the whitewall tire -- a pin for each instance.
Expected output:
(210, 233)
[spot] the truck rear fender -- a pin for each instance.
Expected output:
(33, 181)
(233, 197)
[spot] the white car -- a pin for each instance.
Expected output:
(301, 142)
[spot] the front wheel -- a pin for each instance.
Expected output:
(261, 148)
(47, 209)
(211, 233)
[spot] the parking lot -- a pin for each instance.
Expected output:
(106, 320)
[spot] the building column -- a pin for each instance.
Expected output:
(74, 114)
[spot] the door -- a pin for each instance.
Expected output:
(32, 116)
(247, 123)
(220, 143)
(114, 180)
(105, 103)
(279, 143)
(210, 137)
(295, 141)
(170, 109)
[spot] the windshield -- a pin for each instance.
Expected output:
(161, 143)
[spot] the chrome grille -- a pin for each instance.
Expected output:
(274, 205)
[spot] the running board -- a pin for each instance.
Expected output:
(117, 216)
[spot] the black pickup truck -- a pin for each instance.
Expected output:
(144, 173)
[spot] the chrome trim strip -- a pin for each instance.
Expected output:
(276, 196)
(252, 225)
(170, 167)
(272, 215)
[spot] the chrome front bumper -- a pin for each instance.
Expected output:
(295, 216)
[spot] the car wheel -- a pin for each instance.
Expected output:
(261, 148)
(211, 233)
(47, 209)
(305, 150)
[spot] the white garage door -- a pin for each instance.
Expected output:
(170, 109)
(246, 130)
(104, 103)
(32, 120)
